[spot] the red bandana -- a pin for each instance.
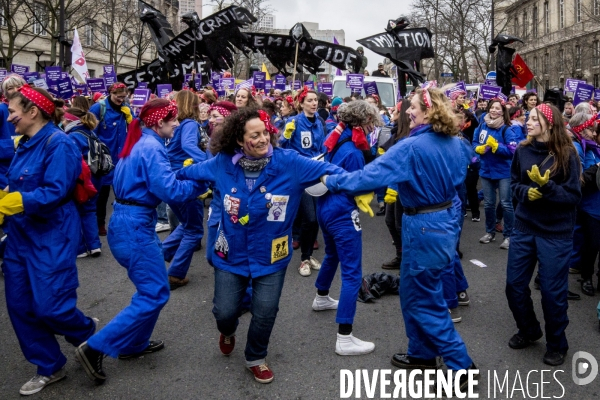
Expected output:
(116, 86)
(264, 117)
(160, 113)
(587, 124)
(426, 96)
(359, 138)
(70, 117)
(547, 111)
(499, 100)
(302, 94)
(221, 110)
(41, 101)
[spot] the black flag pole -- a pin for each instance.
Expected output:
(297, 33)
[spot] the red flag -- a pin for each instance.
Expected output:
(520, 71)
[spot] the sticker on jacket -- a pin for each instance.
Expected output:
(482, 136)
(231, 205)
(356, 220)
(306, 137)
(221, 246)
(278, 209)
(279, 249)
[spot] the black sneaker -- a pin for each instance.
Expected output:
(91, 361)
(392, 264)
(464, 380)
(405, 361)
(153, 347)
(381, 211)
(518, 342)
(554, 358)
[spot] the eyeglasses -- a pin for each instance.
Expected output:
(121, 97)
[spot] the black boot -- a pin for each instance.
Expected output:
(405, 361)
(91, 361)
(392, 264)
(587, 287)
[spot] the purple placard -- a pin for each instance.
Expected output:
(489, 92)
(597, 94)
(142, 85)
(571, 84)
(355, 81)
(490, 82)
(3, 73)
(96, 85)
(19, 69)
(140, 97)
(279, 82)
(310, 85)
(110, 79)
(64, 75)
(41, 83)
(259, 79)
(246, 84)
(502, 97)
(583, 92)
(268, 84)
(163, 90)
(459, 86)
(81, 89)
(371, 88)
(296, 85)
(109, 69)
(65, 88)
(215, 76)
(227, 83)
(52, 74)
(34, 75)
(327, 88)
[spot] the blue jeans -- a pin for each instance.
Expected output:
(162, 213)
(489, 201)
(180, 245)
(230, 290)
(89, 239)
(553, 256)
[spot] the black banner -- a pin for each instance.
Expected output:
(409, 44)
(154, 74)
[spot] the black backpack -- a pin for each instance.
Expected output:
(98, 158)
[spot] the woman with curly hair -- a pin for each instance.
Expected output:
(259, 187)
(342, 232)
(428, 166)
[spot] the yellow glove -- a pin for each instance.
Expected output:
(534, 194)
(3, 194)
(11, 204)
(205, 195)
(1, 219)
(481, 149)
(536, 177)
(16, 140)
(380, 151)
(391, 196)
(188, 162)
(363, 202)
(492, 143)
(290, 127)
(245, 219)
(125, 110)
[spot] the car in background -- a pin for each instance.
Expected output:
(386, 87)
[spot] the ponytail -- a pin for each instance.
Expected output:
(58, 111)
(134, 133)
(87, 118)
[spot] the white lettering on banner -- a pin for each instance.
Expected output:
(404, 39)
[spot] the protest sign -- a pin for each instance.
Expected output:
(355, 81)
(571, 84)
(583, 92)
(460, 86)
(310, 85)
(140, 97)
(489, 92)
(163, 90)
(109, 70)
(41, 83)
(327, 88)
(65, 88)
(279, 82)
(19, 69)
(259, 79)
(371, 88)
(96, 85)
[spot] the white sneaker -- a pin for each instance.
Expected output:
(505, 244)
(95, 253)
(321, 303)
(304, 268)
(315, 264)
(39, 382)
(348, 345)
(162, 227)
(83, 255)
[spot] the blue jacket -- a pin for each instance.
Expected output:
(590, 203)
(350, 159)
(520, 129)
(308, 137)
(280, 123)
(146, 177)
(7, 146)
(184, 145)
(428, 167)
(112, 131)
(264, 245)
(496, 165)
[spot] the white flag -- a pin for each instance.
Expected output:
(78, 58)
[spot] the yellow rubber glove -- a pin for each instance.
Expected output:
(16, 140)
(363, 202)
(380, 151)
(391, 196)
(205, 195)
(188, 162)
(533, 194)
(128, 117)
(3, 194)
(290, 127)
(11, 204)
(481, 149)
(492, 143)
(536, 177)
(1, 219)
(245, 219)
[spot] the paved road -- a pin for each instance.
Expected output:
(301, 351)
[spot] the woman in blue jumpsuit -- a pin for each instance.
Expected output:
(39, 262)
(545, 181)
(340, 223)
(143, 178)
(113, 115)
(78, 124)
(428, 167)
(260, 188)
(7, 130)
(179, 246)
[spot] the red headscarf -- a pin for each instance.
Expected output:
(40, 101)
(264, 117)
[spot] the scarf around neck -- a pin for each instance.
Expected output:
(250, 163)
(493, 123)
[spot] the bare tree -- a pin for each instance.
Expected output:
(15, 22)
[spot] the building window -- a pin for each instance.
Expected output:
(89, 34)
(561, 60)
(3, 63)
(104, 36)
(546, 18)
(596, 48)
(561, 13)
(41, 19)
(535, 66)
(92, 73)
(546, 63)
(2, 20)
(125, 42)
(596, 7)
(525, 24)
(534, 21)
(516, 27)
(578, 57)
(577, 10)
(596, 81)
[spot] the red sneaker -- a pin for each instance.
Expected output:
(226, 344)
(102, 230)
(296, 244)
(262, 373)
(316, 245)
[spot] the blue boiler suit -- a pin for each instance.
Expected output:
(89, 239)
(144, 178)
(342, 232)
(428, 168)
(180, 245)
(7, 147)
(261, 248)
(39, 262)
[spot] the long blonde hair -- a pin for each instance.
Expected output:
(440, 114)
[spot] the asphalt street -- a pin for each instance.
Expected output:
(301, 351)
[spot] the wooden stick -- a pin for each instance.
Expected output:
(295, 66)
